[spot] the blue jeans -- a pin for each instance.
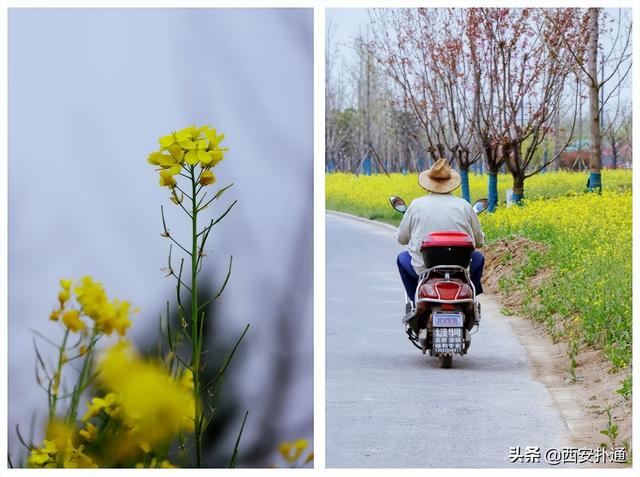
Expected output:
(410, 277)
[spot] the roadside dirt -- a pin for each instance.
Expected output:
(582, 401)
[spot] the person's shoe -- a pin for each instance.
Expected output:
(408, 312)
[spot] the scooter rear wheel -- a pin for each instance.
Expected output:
(445, 360)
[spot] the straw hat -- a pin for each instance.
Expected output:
(440, 178)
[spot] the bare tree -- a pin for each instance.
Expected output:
(531, 68)
(617, 127)
(615, 59)
(421, 51)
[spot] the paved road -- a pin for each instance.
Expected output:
(387, 405)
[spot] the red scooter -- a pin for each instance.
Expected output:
(444, 311)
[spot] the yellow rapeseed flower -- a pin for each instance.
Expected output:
(207, 178)
(291, 451)
(191, 145)
(167, 179)
(108, 316)
(76, 459)
(63, 297)
(44, 456)
(57, 450)
(71, 318)
(89, 432)
(163, 160)
(109, 403)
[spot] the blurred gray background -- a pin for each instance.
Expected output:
(90, 92)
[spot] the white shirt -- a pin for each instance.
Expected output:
(433, 213)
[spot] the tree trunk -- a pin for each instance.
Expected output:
(464, 182)
(595, 161)
(614, 155)
(518, 188)
(492, 172)
(514, 163)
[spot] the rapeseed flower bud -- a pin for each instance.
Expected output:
(207, 178)
(108, 316)
(63, 297)
(55, 385)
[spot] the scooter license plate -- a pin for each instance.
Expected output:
(447, 340)
(448, 320)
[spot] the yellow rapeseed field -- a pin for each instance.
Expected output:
(367, 195)
(589, 238)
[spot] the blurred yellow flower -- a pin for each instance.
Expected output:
(108, 316)
(156, 405)
(109, 404)
(165, 464)
(89, 432)
(71, 318)
(291, 451)
(63, 296)
(58, 450)
(43, 456)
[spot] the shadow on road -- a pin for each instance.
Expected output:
(492, 363)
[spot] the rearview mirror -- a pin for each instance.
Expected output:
(398, 204)
(480, 205)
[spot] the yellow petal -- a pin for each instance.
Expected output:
(203, 156)
(191, 158)
(166, 141)
(71, 318)
(216, 156)
(167, 179)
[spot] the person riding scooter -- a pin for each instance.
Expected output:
(436, 211)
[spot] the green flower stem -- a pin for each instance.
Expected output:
(54, 397)
(83, 379)
(196, 334)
